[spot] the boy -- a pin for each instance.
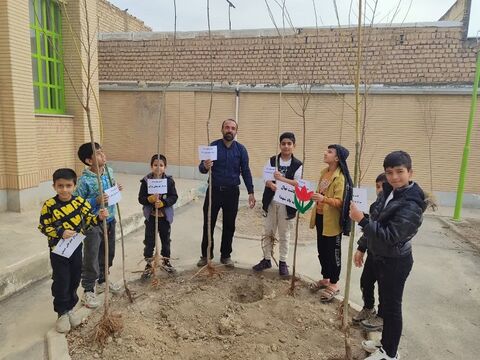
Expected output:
(278, 216)
(330, 217)
(94, 258)
(394, 220)
(164, 203)
(368, 317)
(63, 216)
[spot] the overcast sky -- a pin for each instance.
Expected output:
(251, 14)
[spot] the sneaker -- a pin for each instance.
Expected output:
(372, 324)
(282, 268)
(371, 346)
(63, 324)
(202, 262)
(168, 266)
(113, 287)
(228, 262)
(380, 354)
(89, 300)
(147, 273)
(75, 320)
(364, 315)
(264, 264)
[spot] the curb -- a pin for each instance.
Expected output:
(451, 225)
(37, 267)
(57, 344)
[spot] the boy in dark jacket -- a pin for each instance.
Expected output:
(164, 203)
(394, 220)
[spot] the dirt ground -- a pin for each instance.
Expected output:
(250, 224)
(469, 229)
(235, 316)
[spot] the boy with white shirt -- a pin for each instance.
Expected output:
(279, 216)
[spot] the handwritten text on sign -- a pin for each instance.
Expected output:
(268, 172)
(285, 194)
(157, 186)
(207, 152)
(66, 247)
(114, 195)
(359, 198)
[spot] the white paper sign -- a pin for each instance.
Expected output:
(157, 186)
(308, 184)
(207, 152)
(268, 173)
(359, 197)
(285, 194)
(66, 247)
(114, 195)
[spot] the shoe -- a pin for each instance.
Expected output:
(264, 264)
(148, 272)
(202, 262)
(75, 320)
(228, 262)
(282, 268)
(372, 324)
(113, 287)
(168, 266)
(63, 324)
(371, 346)
(364, 315)
(89, 300)
(380, 354)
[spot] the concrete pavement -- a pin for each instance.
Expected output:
(441, 302)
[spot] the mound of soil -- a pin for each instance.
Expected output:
(235, 316)
(250, 224)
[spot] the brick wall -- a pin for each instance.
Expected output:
(433, 54)
(112, 19)
(394, 121)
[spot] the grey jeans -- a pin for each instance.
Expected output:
(93, 267)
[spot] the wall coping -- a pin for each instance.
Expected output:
(290, 88)
(254, 33)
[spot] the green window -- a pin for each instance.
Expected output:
(47, 67)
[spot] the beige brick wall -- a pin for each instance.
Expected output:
(112, 19)
(57, 144)
(434, 54)
(393, 122)
(456, 11)
(19, 142)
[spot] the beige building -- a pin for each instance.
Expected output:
(41, 120)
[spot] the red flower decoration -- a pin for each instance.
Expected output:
(302, 193)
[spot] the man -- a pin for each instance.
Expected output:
(232, 160)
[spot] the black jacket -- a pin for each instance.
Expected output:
(389, 229)
(268, 193)
(168, 199)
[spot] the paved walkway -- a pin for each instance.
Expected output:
(441, 303)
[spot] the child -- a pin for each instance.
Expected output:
(62, 217)
(330, 217)
(394, 220)
(368, 317)
(164, 203)
(94, 253)
(289, 170)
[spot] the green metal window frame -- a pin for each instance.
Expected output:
(47, 64)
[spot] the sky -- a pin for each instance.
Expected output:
(253, 14)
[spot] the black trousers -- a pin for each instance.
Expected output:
(66, 273)
(329, 252)
(392, 274)
(164, 232)
(367, 283)
(225, 198)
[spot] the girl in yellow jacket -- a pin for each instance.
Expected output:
(330, 217)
